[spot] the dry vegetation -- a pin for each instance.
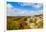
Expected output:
(24, 22)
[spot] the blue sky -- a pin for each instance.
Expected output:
(22, 5)
(22, 8)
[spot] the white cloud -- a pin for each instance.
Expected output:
(25, 4)
(17, 12)
(9, 5)
(37, 6)
(21, 12)
(39, 12)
